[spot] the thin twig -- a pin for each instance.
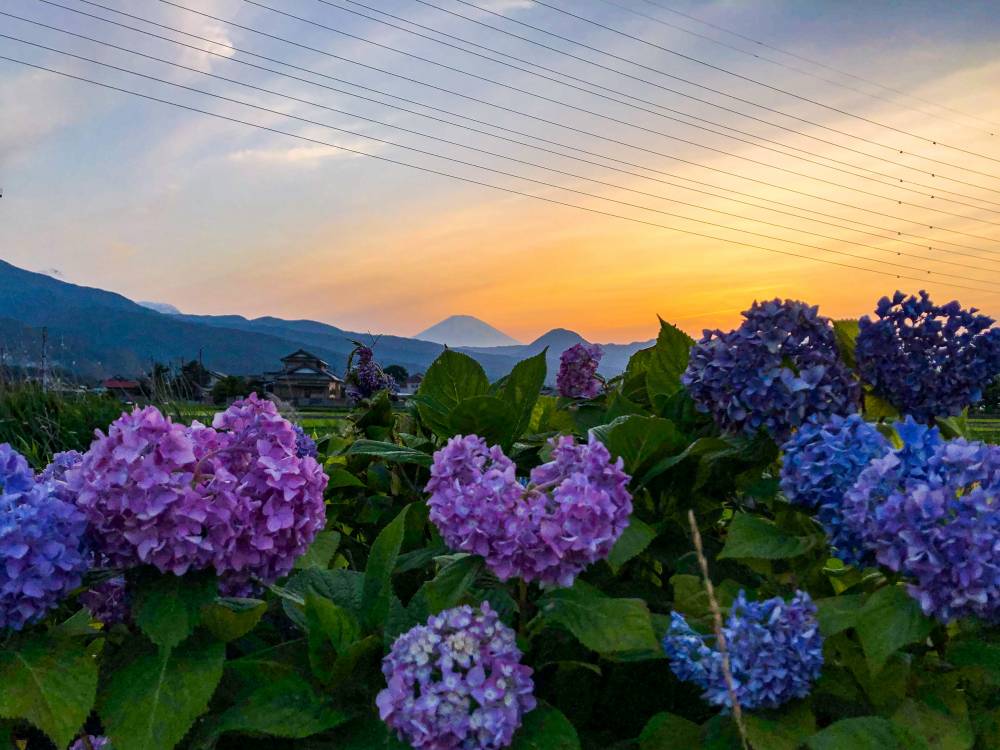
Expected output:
(720, 637)
(86, 741)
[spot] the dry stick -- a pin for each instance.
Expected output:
(720, 637)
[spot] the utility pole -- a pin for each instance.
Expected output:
(45, 359)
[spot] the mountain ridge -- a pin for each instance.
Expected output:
(466, 330)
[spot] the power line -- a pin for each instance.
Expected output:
(610, 118)
(462, 145)
(467, 179)
(536, 118)
(812, 61)
(777, 89)
(682, 94)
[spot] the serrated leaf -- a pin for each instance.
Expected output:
(168, 608)
(362, 734)
(838, 613)
(845, 334)
(602, 624)
(634, 539)
(49, 682)
(489, 417)
(546, 728)
(669, 732)
(667, 362)
(520, 390)
(753, 537)
(332, 630)
(941, 721)
(889, 620)
(391, 452)
(343, 587)
(343, 478)
(377, 588)
(640, 440)
(153, 700)
(862, 733)
(447, 588)
(320, 552)
(451, 378)
(785, 728)
(231, 618)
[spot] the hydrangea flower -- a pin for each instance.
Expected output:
(456, 683)
(943, 532)
(927, 360)
(55, 474)
(234, 496)
(41, 543)
(577, 377)
(821, 463)
(364, 376)
(107, 602)
(304, 444)
(775, 652)
(859, 531)
(566, 517)
(779, 367)
(97, 743)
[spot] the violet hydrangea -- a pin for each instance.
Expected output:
(55, 474)
(96, 742)
(927, 360)
(778, 368)
(456, 683)
(775, 652)
(364, 376)
(821, 463)
(107, 602)
(577, 377)
(942, 531)
(567, 516)
(41, 544)
(304, 444)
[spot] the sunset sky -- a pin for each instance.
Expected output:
(163, 204)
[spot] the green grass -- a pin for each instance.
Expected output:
(986, 428)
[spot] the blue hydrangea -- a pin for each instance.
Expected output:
(774, 371)
(822, 461)
(304, 444)
(927, 360)
(775, 652)
(55, 474)
(41, 544)
(859, 530)
(942, 531)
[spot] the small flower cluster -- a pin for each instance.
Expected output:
(456, 683)
(927, 360)
(775, 653)
(778, 368)
(364, 376)
(569, 515)
(41, 544)
(107, 602)
(943, 532)
(234, 496)
(821, 463)
(97, 743)
(304, 444)
(577, 377)
(860, 532)
(55, 474)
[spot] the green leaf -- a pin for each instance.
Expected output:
(320, 552)
(862, 733)
(667, 362)
(448, 587)
(548, 417)
(889, 620)
(167, 607)
(153, 700)
(978, 655)
(391, 452)
(231, 618)
(750, 536)
(786, 728)
(636, 537)
(343, 478)
(50, 682)
(363, 734)
(377, 588)
(492, 418)
(332, 631)
(604, 625)
(639, 440)
(669, 732)
(451, 378)
(634, 379)
(942, 720)
(343, 587)
(699, 447)
(289, 707)
(520, 390)
(838, 613)
(546, 728)
(845, 333)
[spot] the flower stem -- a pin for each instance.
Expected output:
(720, 637)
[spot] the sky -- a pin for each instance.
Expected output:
(588, 134)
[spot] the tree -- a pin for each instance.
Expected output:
(397, 372)
(233, 387)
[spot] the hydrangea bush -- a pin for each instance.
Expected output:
(492, 566)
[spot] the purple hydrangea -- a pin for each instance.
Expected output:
(364, 376)
(821, 463)
(778, 368)
(304, 444)
(577, 377)
(41, 544)
(859, 531)
(107, 602)
(943, 532)
(775, 653)
(456, 683)
(927, 360)
(97, 743)
(234, 496)
(55, 474)
(566, 517)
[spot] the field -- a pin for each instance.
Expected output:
(986, 428)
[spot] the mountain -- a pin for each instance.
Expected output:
(161, 307)
(465, 330)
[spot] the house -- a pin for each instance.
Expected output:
(123, 388)
(411, 385)
(305, 380)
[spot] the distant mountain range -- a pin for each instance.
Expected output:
(465, 330)
(96, 334)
